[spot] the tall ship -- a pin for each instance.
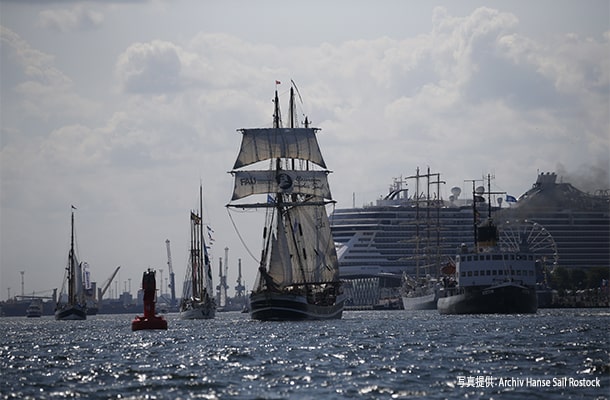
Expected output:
(73, 307)
(197, 296)
(298, 272)
(488, 278)
(421, 290)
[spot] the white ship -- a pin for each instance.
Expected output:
(490, 277)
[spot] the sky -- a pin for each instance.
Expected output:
(122, 109)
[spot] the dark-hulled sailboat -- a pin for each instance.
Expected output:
(298, 274)
(74, 308)
(197, 301)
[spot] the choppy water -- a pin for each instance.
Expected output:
(367, 354)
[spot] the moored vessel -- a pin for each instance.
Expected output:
(34, 310)
(74, 306)
(489, 279)
(420, 294)
(298, 274)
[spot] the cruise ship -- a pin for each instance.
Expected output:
(579, 222)
(416, 235)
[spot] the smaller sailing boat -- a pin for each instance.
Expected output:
(149, 320)
(75, 307)
(197, 301)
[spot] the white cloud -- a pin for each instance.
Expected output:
(471, 94)
(68, 20)
(150, 68)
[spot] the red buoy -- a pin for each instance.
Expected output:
(149, 320)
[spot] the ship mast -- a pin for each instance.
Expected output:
(71, 257)
(201, 244)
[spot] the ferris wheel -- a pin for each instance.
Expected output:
(514, 234)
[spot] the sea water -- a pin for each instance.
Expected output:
(561, 353)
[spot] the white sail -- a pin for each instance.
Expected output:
(269, 143)
(280, 269)
(80, 293)
(308, 182)
(298, 271)
(314, 258)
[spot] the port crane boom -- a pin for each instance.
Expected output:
(172, 280)
(106, 285)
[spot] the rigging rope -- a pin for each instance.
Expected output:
(240, 238)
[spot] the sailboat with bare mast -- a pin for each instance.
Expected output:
(74, 308)
(298, 274)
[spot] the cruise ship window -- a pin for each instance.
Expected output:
(476, 273)
(488, 272)
(469, 273)
(494, 273)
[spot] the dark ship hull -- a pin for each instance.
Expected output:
(71, 313)
(274, 306)
(501, 299)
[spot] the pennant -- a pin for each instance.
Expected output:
(195, 218)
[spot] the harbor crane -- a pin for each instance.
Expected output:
(240, 289)
(172, 280)
(223, 286)
(101, 291)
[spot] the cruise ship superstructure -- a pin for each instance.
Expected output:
(401, 234)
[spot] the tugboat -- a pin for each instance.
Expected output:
(149, 320)
(489, 279)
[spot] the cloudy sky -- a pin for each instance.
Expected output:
(121, 108)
